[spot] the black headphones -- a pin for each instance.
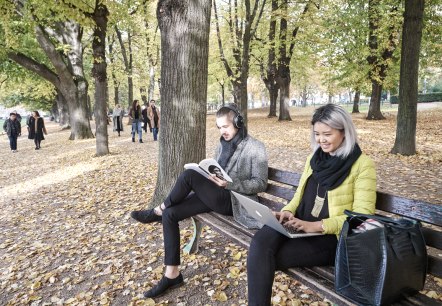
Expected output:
(238, 120)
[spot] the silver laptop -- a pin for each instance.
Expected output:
(263, 214)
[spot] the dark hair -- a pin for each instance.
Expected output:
(37, 113)
(134, 105)
(152, 100)
(229, 109)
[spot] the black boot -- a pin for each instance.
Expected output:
(164, 285)
(141, 140)
(133, 139)
(146, 216)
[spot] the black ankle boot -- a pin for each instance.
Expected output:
(133, 139)
(163, 286)
(141, 140)
(145, 216)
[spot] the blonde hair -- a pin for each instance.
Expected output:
(337, 118)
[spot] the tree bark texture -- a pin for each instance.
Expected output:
(62, 110)
(128, 63)
(379, 62)
(269, 77)
(100, 16)
(115, 82)
(184, 26)
(73, 85)
(243, 30)
(286, 48)
(405, 142)
(356, 100)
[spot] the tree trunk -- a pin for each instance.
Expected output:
(304, 97)
(273, 93)
(143, 95)
(183, 24)
(151, 91)
(100, 16)
(284, 99)
(356, 100)
(379, 63)
(270, 77)
(374, 110)
(62, 109)
(405, 142)
(73, 85)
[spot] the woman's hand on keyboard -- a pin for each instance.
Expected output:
(304, 226)
(283, 216)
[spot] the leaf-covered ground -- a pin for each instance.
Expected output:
(66, 236)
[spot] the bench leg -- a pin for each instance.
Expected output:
(192, 246)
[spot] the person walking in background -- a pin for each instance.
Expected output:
(117, 118)
(146, 119)
(136, 116)
(37, 129)
(154, 114)
(12, 127)
(17, 116)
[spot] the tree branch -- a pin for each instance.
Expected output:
(220, 44)
(32, 65)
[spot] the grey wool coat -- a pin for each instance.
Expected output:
(248, 169)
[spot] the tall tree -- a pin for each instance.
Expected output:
(128, 62)
(405, 142)
(242, 23)
(380, 54)
(286, 48)
(268, 75)
(184, 27)
(61, 42)
(99, 72)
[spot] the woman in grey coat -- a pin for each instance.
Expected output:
(245, 161)
(117, 118)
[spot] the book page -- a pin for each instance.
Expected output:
(197, 168)
(211, 166)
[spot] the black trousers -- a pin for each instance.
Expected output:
(270, 251)
(192, 194)
(37, 140)
(13, 142)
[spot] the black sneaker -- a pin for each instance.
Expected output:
(133, 139)
(145, 216)
(141, 140)
(164, 285)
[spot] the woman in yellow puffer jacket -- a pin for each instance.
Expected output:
(336, 177)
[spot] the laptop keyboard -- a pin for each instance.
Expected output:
(291, 230)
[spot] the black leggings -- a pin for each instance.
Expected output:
(270, 251)
(37, 140)
(182, 203)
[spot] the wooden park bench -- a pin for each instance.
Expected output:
(281, 188)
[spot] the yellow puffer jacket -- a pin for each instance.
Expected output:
(356, 193)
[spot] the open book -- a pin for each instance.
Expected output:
(209, 166)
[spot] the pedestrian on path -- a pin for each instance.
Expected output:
(154, 114)
(137, 117)
(117, 118)
(12, 127)
(37, 129)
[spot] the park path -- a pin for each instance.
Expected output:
(67, 238)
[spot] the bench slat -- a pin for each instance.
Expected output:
(273, 205)
(285, 177)
(435, 266)
(280, 192)
(432, 237)
(419, 210)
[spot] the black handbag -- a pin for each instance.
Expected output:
(379, 265)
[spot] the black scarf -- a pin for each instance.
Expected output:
(229, 147)
(330, 171)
